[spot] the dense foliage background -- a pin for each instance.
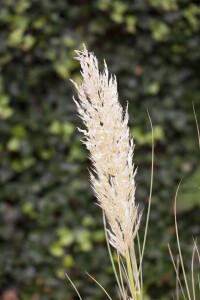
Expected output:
(49, 224)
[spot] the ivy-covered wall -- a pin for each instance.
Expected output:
(49, 224)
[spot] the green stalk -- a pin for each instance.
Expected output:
(131, 278)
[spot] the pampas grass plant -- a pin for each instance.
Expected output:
(112, 175)
(111, 148)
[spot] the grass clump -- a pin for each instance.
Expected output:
(111, 149)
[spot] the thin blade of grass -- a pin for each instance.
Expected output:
(178, 243)
(140, 254)
(192, 272)
(99, 285)
(121, 278)
(134, 266)
(73, 286)
(131, 275)
(177, 272)
(125, 274)
(197, 250)
(197, 125)
(177, 282)
(124, 270)
(150, 193)
(110, 255)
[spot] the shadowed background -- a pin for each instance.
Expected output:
(49, 224)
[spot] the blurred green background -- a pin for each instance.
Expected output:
(49, 224)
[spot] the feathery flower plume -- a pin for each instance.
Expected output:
(111, 148)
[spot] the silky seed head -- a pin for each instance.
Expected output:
(108, 140)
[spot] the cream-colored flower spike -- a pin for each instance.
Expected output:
(111, 150)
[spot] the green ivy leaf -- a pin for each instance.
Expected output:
(68, 261)
(160, 30)
(56, 249)
(66, 237)
(19, 131)
(13, 144)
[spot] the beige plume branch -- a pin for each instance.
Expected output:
(111, 148)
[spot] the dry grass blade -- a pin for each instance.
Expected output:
(99, 285)
(177, 272)
(125, 274)
(140, 256)
(123, 294)
(197, 250)
(73, 286)
(177, 278)
(178, 244)
(149, 205)
(198, 256)
(110, 255)
(197, 125)
(192, 272)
